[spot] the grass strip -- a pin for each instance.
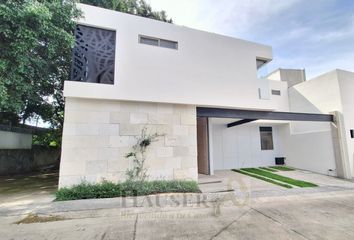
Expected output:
(269, 169)
(108, 189)
(262, 178)
(277, 177)
(282, 168)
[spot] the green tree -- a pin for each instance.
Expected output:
(36, 40)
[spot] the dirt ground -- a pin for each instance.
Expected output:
(28, 188)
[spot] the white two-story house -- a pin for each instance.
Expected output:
(201, 91)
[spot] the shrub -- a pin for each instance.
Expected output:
(107, 189)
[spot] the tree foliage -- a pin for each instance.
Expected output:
(36, 40)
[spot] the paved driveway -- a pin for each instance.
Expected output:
(226, 180)
(268, 212)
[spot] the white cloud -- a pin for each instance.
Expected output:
(301, 37)
(223, 16)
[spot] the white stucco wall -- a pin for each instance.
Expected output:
(329, 92)
(240, 146)
(14, 140)
(311, 151)
(346, 85)
(281, 102)
(206, 70)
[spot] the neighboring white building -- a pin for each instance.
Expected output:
(131, 72)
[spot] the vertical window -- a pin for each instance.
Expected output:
(266, 134)
(93, 55)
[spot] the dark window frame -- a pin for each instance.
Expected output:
(276, 92)
(92, 62)
(266, 138)
(159, 40)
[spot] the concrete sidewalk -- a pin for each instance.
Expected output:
(253, 210)
(307, 216)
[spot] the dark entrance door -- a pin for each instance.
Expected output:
(203, 145)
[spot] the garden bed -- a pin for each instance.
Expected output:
(129, 188)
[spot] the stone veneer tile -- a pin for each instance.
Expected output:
(164, 152)
(172, 162)
(119, 117)
(73, 167)
(130, 129)
(180, 151)
(171, 141)
(188, 119)
(78, 154)
(138, 118)
(121, 141)
(126, 106)
(188, 109)
(179, 130)
(145, 107)
(161, 118)
(118, 165)
(164, 108)
(186, 141)
(86, 117)
(96, 167)
(95, 141)
(189, 162)
(84, 104)
(85, 141)
(108, 129)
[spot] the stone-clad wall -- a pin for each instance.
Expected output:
(98, 133)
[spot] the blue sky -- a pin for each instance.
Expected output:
(317, 35)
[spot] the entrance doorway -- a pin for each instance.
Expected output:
(203, 145)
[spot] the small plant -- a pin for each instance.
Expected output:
(139, 171)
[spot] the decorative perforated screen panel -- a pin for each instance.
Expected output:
(93, 55)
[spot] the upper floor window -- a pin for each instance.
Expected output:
(262, 70)
(276, 92)
(93, 55)
(158, 42)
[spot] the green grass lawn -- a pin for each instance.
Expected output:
(262, 178)
(277, 177)
(282, 168)
(268, 169)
